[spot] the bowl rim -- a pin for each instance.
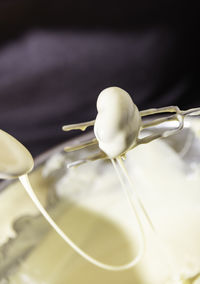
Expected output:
(41, 158)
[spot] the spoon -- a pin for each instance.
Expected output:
(15, 159)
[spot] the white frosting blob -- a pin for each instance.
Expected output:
(117, 123)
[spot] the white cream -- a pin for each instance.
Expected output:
(172, 201)
(171, 198)
(117, 123)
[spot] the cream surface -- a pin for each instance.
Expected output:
(117, 123)
(15, 160)
(15, 196)
(100, 222)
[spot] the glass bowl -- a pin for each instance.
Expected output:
(88, 204)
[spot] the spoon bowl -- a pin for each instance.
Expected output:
(15, 159)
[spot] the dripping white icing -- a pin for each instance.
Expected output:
(25, 182)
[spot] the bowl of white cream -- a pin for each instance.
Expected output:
(88, 204)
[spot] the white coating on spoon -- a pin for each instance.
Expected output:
(15, 159)
(117, 123)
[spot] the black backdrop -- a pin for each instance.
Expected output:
(56, 56)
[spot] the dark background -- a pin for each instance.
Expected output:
(56, 57)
